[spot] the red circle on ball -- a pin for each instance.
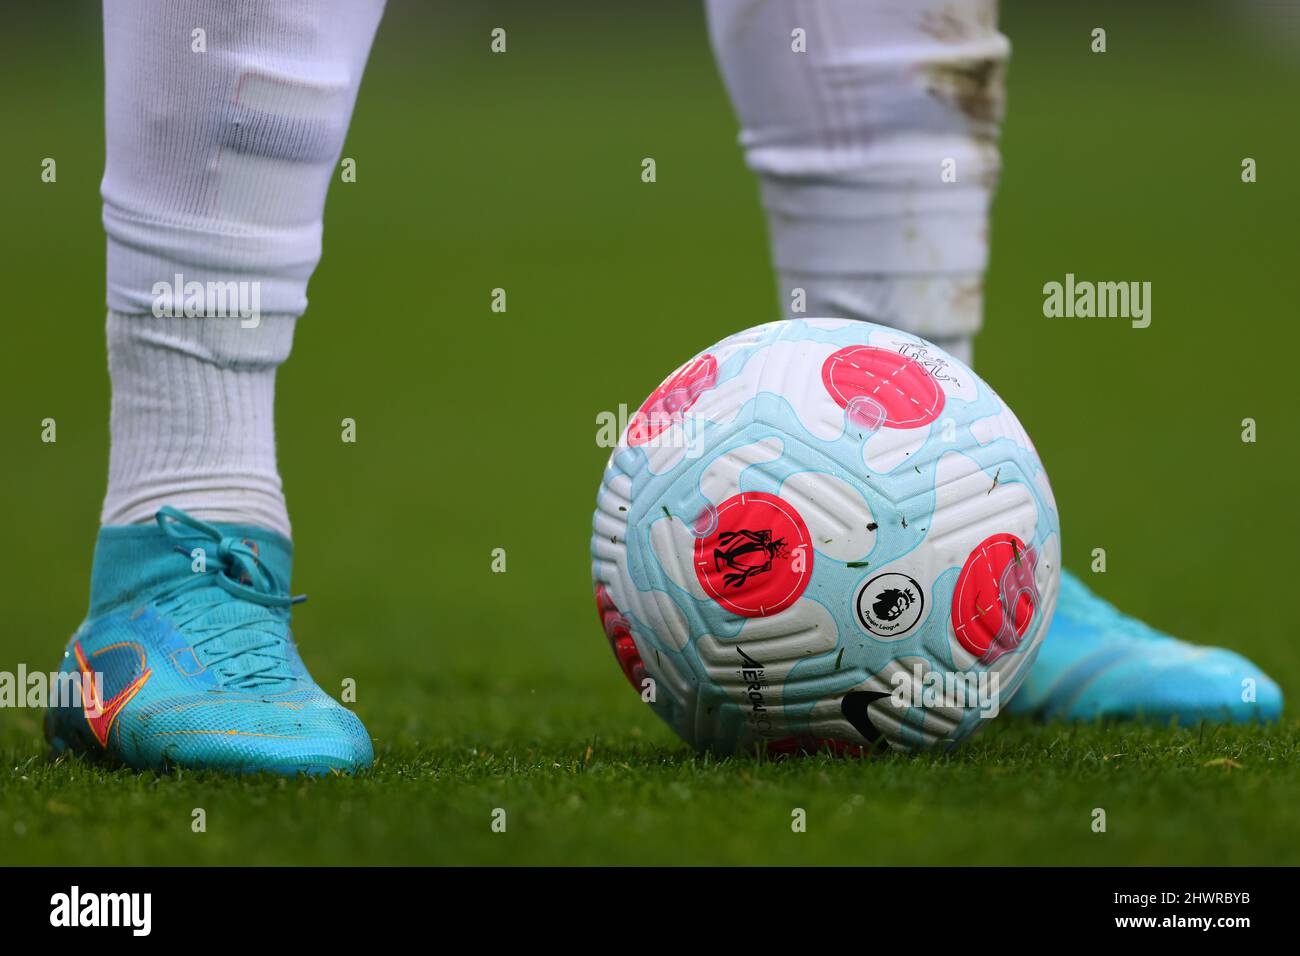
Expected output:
(619, 633)
(978, 605)
(758, 559)
(908, 393)
(675, 394)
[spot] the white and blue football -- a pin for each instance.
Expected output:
(825, 535)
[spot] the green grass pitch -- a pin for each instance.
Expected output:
(476, 431)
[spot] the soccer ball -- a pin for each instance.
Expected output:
(823, 534)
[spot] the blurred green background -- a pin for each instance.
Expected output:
(477, 430)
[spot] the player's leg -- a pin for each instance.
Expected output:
(224, 126)
(873, 128)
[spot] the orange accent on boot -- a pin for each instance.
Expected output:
(99, 714)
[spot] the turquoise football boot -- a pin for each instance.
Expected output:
(1098, 662)
(186, 658)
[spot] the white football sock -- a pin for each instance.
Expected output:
(945, 309)
(876, 150)
(224, 126)
(193, 422)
